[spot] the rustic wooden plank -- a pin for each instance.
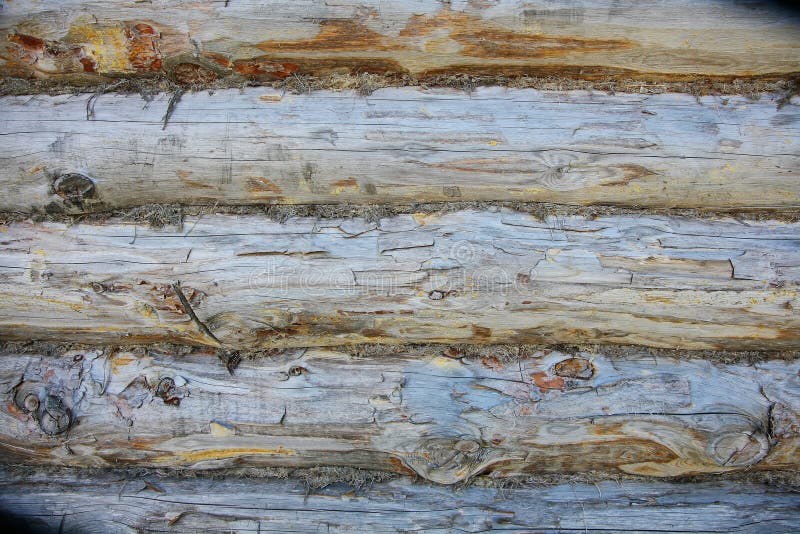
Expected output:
(399, 145)
(197, 41)
(108, 504)
(441, 418)
(470, 276)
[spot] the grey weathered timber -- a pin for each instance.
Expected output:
(240, 282)
(293, 297)
(93, 152)
(113, 504)
(197, 41)
(435, 415)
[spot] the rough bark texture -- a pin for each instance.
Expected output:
(198, 42)
(442, 418)
(92, 152)
(504, 277)
(111, 504)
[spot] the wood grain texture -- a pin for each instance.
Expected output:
(105, 504)
(198, 41)
(400, 145)
(440, 418)
(471, 276)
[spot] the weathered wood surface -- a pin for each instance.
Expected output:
(108, 504)
(197, 41)
(400, 145)
(441, 418)
(471, 276)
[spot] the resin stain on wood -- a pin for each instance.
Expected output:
(416, 37)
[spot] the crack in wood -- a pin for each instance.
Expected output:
(447, 420)
(243, 153)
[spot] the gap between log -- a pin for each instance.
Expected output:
(506, 353)
(321, 477)
(784, 86)
(172, 215)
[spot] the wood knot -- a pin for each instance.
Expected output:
(297, 370)
(466, 445)
(449, 460)
(47, 409)
(97, 287)
(26, 397)
(575, 367)
(31, 403)
(166, 390)
(438, 294)
(451, 191)
(74, 188)
(54, 417)
(739, 449)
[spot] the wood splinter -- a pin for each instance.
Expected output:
(176, 286)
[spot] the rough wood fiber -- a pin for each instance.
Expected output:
(196, 42)
(399, 145)
(235, 283)
(471, 276)
(106, 504)
(443, 419)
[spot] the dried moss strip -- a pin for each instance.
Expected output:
(782, 85)
(173, 215)
(321, 477)
(503, 352)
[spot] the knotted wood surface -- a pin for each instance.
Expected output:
(240, 282)
(437, 415)
(199, 42)
(113, 503)
(91, 152)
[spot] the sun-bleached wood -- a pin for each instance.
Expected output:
(52, 38)
(109, 504)
(470, 276)
(442, 418)
(400, 145)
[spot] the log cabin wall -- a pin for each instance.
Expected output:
(421, 265)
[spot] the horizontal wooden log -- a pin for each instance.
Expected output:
(470, 276)
(195, 42)
(113, 504)
(442, 418)
(87, 152)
